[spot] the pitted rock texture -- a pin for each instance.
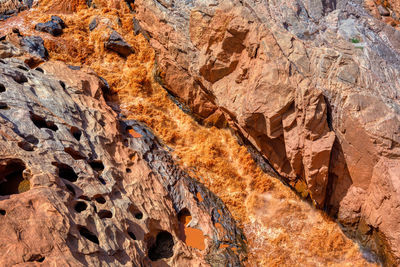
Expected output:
(77, 189)
(312, 84)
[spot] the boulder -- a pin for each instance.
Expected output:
(117, 44)
(383, 11)
(93, 24)
(55, 26)
(35, 46)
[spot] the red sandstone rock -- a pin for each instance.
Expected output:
(302, 84)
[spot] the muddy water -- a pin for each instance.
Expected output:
(281, 229)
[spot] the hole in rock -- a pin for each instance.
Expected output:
(97, 165)
(36, 257)
(163, 247)
(22, 68)
(88, 235)
(62, 84)
(2, 88)
(191, 236)
(18, 77)
(71, 189)
(25, 146)
(100, 199)
(66, 172)
(126, 142)
(16, 30)
(40, 122)
(4, 106)
(105, 214)
(40, 70)
(11, 177)
(80, 206)
(184, 216)
(136, 212)
(128, 170)
(31, 139)
(76, 155)
(102, 180)
(76, 133)
(74, 67)
(2, 212)
(132, 235)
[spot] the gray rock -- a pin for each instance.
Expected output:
(383, 11)
(35, 46)
(137, 29)
(93, 24)
(55, 26)
(117, 44)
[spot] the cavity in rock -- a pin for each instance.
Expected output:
(66, 172)
(11, 177)
(163, 247)
(88, 235)
(117, 44)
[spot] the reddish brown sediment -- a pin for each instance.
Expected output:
(280, 227)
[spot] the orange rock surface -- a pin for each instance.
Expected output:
(192, 237)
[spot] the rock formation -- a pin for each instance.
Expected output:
(311, 84)
(78, 186)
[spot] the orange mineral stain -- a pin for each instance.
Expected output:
(219, 228)
(134, 133)
(199, 197)
(192, 237)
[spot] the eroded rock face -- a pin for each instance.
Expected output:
(80, 187)
(312, 84)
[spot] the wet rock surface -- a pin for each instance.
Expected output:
(312, 85)
(78, 186)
